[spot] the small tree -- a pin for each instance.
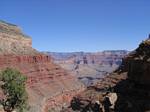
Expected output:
(14, 89)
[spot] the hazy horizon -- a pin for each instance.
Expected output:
(84, 51)
(80, 25)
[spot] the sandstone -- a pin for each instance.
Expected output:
(13, 41)
(46, 81)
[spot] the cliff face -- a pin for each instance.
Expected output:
(13, 41)
(134, 91)
(90, 67)
(137, 63)
(47, 83)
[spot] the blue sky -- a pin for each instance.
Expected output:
(80, 25)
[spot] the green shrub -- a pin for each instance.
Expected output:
(14, 89)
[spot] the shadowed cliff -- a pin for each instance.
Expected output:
(134, 92)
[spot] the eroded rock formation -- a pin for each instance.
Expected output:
(90, 67)
(47, 83)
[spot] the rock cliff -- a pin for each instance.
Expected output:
(134, 91)
(138, 63)
(47, 83)
(13, 41)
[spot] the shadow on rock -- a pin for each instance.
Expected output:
(86, 106)
(132, 97)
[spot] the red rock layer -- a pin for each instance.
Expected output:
(45, 80)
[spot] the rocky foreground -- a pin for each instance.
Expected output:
(130, 83)
(48, 85)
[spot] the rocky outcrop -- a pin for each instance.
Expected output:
(134, 91)
(46, 81)
(137, 63)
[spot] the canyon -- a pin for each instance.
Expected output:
(48, 85)
(89, 67)
(54, 79)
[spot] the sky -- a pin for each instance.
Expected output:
(80, 25)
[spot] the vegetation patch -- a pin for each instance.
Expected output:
(14, 89)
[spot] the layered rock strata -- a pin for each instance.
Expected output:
(46, 81)
(90, 67)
